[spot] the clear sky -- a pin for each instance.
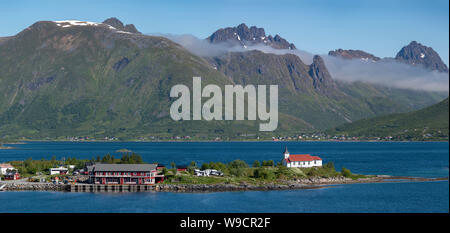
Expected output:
(380, 27)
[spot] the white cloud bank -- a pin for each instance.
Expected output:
(386, 72)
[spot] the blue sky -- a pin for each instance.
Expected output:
(380, 27)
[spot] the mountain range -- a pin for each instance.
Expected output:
(76, 78)
(414, 54)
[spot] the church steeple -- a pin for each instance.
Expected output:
(286, 153)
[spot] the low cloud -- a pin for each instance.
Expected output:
(204, 48)
(386, 72)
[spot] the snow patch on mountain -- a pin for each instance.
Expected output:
(71, 23)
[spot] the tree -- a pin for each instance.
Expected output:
(136, 158)
(346, 172)
(174, 168)
(269, 163)
(217, 166)
(205, 166)
(165, 171)
(106, 158)
(125, 159)
(237, 164)
(256, 163)
(329, 165)
(193, 164)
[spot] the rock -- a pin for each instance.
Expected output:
(353, 54)
(245, 36)
(116, 23)
(322, 80)
(418, 54)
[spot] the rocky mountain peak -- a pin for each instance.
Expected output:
(116, 23)
(247, 36)
(353, 54)
(322, 79)
(417, 54)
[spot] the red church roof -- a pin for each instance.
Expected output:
(302, 158)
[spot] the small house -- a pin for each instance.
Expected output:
(12, 175)
(4, 167)
(58, 171)
(181, 168)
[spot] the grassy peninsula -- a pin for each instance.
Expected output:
(235, 172)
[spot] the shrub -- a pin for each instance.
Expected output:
(282, 171)
(329, 165)
(205, 166)
(346, 172)
(237, 172)
(256, 164)
(165, 171)
(262, 173)
(237, 164)
(313, 172)
(217, 166)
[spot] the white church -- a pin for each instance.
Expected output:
(304, 160)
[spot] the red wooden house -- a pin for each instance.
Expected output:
(132, 174)
(12, 175)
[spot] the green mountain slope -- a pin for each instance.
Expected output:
(60, 80)
(309, 92)
(94, 81)
(430, 123)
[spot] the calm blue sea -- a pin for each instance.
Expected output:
(423, 159)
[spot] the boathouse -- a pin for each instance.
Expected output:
(143, 174)
(300, 160)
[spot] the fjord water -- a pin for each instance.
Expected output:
(420, 159)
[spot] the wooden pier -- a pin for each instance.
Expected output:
(110, 188)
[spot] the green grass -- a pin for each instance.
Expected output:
(277, 175)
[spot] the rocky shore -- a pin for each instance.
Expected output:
(307, 183)
(31, 186)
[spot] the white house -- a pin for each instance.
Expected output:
(4, 167)
(58, 171)
(304, 160)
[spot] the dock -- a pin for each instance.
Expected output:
(110, 188)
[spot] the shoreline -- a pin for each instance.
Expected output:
(305, 183)
(212, 141)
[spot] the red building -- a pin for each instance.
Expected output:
(12, 175)
(145, 174)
